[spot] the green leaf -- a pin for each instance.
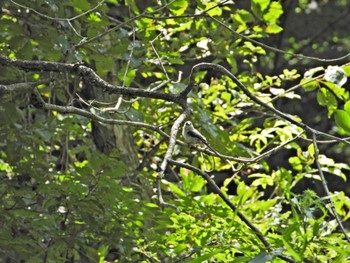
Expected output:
(263, 180)
(326, 98)
(255, 49)
(128, 77)
(259, 6)
(179, 248)
(296, 163)
(273, 29)
(347, 107)
(338, 91)
(197, 184)
(94, 18)
(152, 205)
(291, 250)
(134, 115)
(81, 5)
(233, 63)
(176, 190)
(346, 68)
(311, 150)
(177, 88)
(205, 257)
(342, 119)
(274, 12)
(178, 7)
(309, 85)
(216, 11)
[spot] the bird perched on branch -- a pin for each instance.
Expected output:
(193, 136)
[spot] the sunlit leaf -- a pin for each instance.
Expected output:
(197, 184)
(178, 7)
(347, 107)
(274, 12)
(342, 119)
(215, 10)
(296, 163)
(311, 73)
(336, 75)
(273, 29)
(326, 98)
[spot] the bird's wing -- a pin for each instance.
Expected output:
(197, 135)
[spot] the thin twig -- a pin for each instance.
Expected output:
(92, 116)
(86, 41)
(273, 48)
(325, 187)
(217, 190)
(158, 57)
(57, 18)
(241, 86)
(274, 150)
(67, 20)
(296, 87)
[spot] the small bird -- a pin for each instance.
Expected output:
(193, 136)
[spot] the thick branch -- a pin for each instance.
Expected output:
(173, 134)
(20, 87)
(89, 76)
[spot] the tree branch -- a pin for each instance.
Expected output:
(173, 133)
(89, 76)
(301, 56)
(92, 116)
(217, 190)
(206, 66)
(21, 87)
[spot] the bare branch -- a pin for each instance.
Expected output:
(173, 134)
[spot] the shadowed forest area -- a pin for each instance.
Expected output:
(95, 165)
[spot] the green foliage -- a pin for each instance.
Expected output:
(62, 200)
(342, 117)
(330, 91)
